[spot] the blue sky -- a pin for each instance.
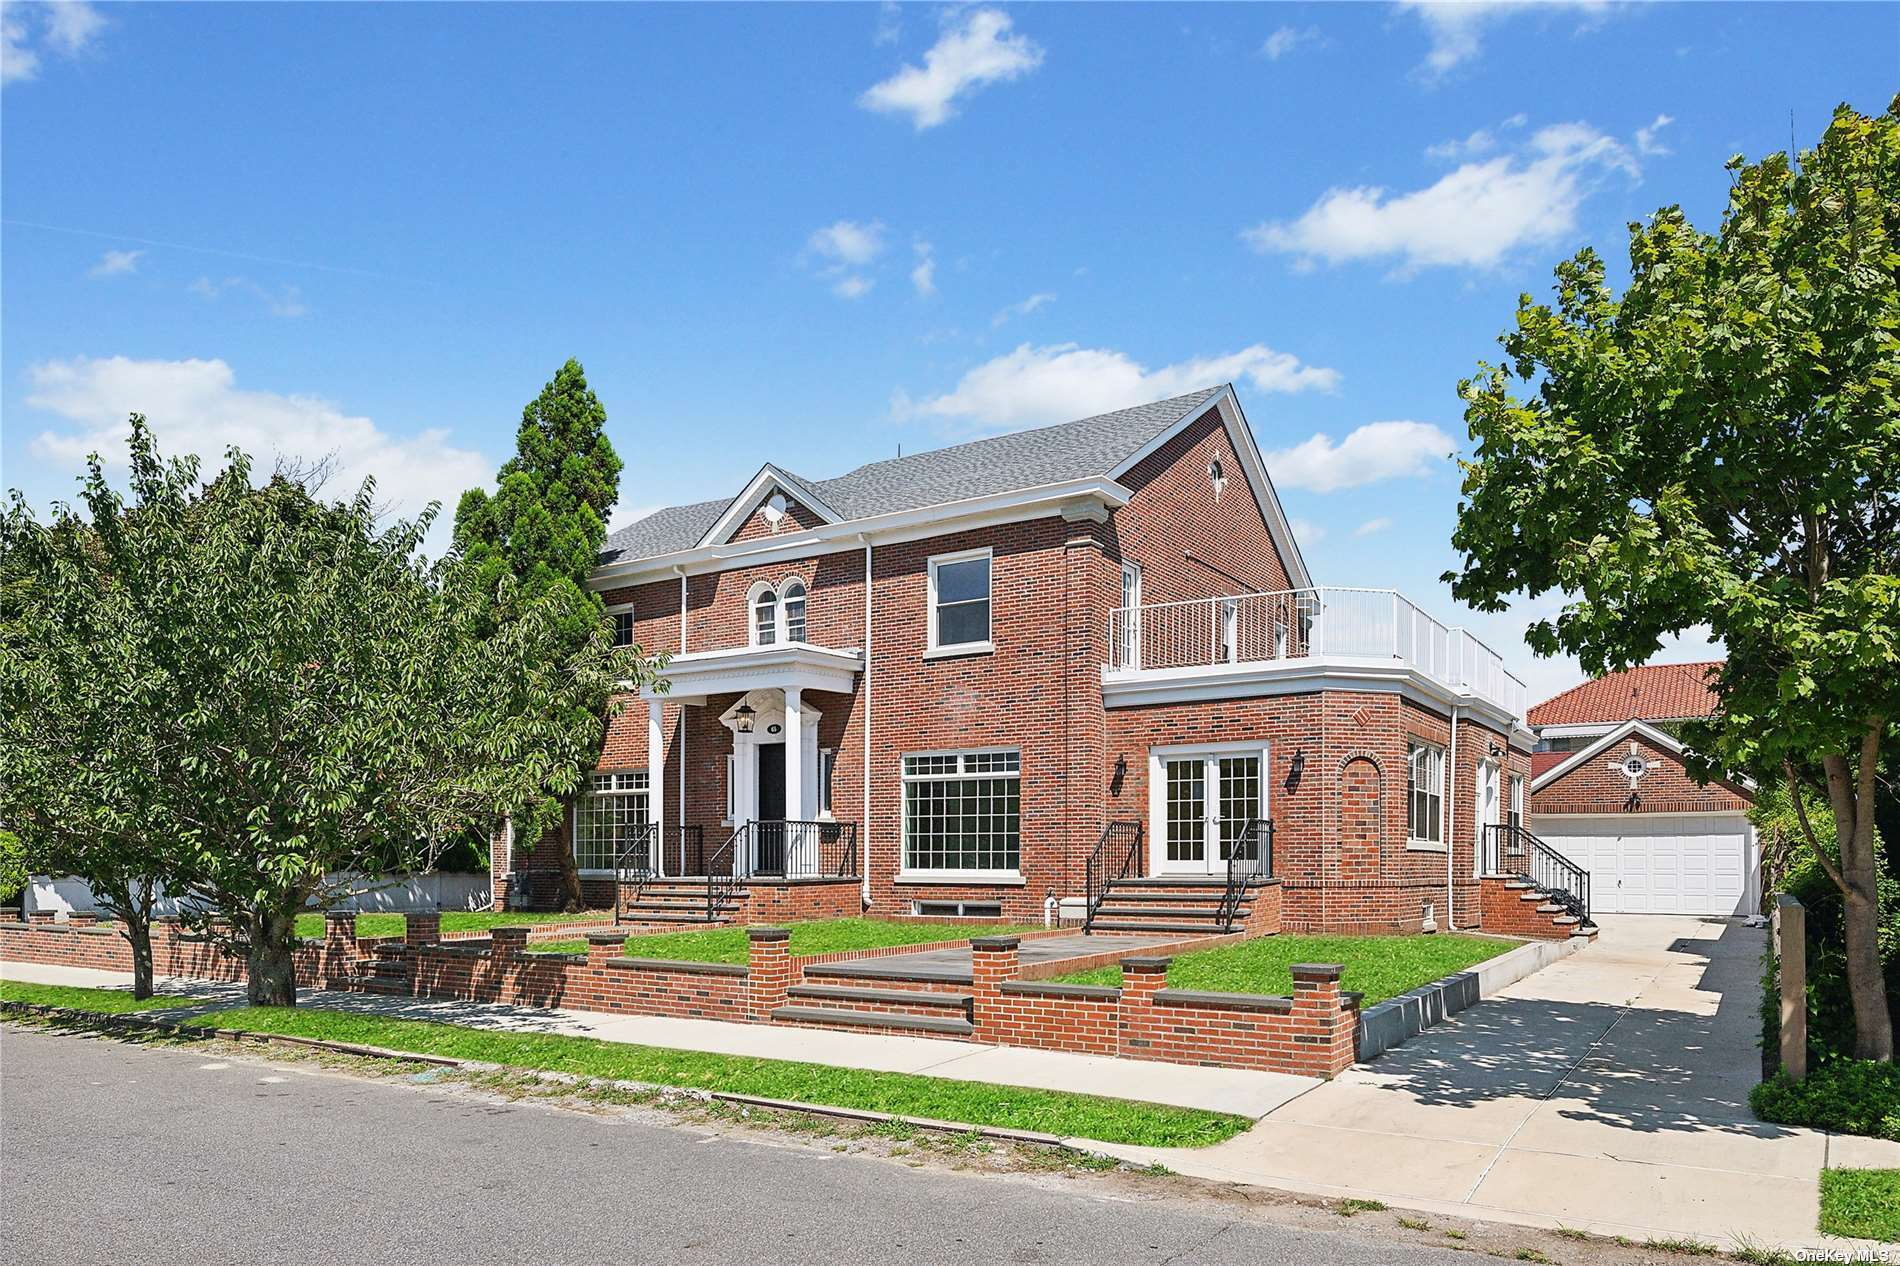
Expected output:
(814, 234)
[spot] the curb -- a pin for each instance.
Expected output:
(1397, 1020)
(102, 1019)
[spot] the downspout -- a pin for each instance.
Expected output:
(864, 838)
(1451, 826)
(681, 745)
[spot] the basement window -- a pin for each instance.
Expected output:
(959, 909)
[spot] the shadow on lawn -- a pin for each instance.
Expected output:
(1647, 1068)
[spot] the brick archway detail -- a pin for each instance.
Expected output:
(1361, 800)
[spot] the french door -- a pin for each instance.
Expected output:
(1201, 801)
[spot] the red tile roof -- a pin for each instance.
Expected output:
(1654, 692)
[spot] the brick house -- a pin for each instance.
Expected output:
(1078, 671)
(1609, 790)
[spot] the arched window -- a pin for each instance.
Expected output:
(765, 618)
(795, 611)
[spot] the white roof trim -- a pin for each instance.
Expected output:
(740, 508)
(1240, 435)
(1604, 744)
(932, 520)
(687, 678)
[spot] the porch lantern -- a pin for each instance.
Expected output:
(742, 718)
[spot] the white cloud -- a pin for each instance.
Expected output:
(923, 276)
(1375, 451)
(848, 242)
(64, 28)
(1035, 385)
(1372, 526)
(1307, 532)
(1477, 144)
(116, 264)
(196, 406)
(1288, 38)
(1039, 300)
(971, 52)
(1474, 216)
(852, 286)
(890, 23)
(1649, 139)
(1456, 27)
(284, 302)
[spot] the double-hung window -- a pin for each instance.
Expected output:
(960, 601)
(608, 817)
(623, 626)
(793, 608)
(765, 618)
(1425, 794)
(1514, 807)
(963, 812)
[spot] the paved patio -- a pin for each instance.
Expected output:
(1607, 1092)
(952, 965)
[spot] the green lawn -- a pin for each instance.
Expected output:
(972, 1103)
(824, 936)
(110, 1001)
(1380, 967)
(453, 921)
(1862, 1203)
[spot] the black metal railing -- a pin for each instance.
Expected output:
(683, 850)
(1117, 855)
(722, 879)
(1514, 851)
(633, 865)
(803, 850)
(1249, 857)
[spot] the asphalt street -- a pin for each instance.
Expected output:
(120, 1153)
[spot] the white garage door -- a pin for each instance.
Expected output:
(1658, 863)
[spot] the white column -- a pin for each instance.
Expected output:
(656, 770)
(795, 808)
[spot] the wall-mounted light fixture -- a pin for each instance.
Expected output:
(1299, 765)
(1496, 750)
(742, 717)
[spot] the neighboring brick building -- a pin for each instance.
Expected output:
(953, 681)
(1609, 790)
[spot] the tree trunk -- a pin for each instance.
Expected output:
(1866, 983)
(273, 971)
(1851, 794)
(571, 897)
(138, 933)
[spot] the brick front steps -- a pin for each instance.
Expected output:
(683, 903)
(1184, 905)
(1515, 907)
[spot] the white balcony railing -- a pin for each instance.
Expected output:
(1330, 623)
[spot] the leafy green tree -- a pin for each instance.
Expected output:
(544, 529)
(1720, 447)
(89, 740)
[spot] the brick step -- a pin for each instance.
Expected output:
(827, 1016)
(1113, 909)
(881, 1001)
(1186, 883)
(681, 914)
(1209, 927)
(1171, 896)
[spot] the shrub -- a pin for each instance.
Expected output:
(1849, 1096)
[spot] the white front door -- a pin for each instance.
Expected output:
(1489, 797)
(1200, 804)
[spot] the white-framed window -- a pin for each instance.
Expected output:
(960, 601)
(606, 816)
(622, 618)
(792, 608)
(1425, 794)
(963, 812)
(827, 765)
(732, 787)
(764, 617)
(1514, 807)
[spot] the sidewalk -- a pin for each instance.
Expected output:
(1252, 1094)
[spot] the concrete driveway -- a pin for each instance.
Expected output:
(1607, 1092)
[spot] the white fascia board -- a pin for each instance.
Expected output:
(1580, 729)
(1240, 435)
(801, 664)
(852, 534)
(739, 509)
(1138, 687)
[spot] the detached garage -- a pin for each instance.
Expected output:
(1609, 791)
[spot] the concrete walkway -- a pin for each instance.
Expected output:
(1607, 1092)
(1220, 1089)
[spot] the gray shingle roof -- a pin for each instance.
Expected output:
(1001, 463)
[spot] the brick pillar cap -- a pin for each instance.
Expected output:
(606, 938)
(768, 934)
(521, 932)
(995, 942)
(1146, 962)
(339, 916)
(1318, 971)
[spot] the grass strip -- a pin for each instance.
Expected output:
(1861, 1203)
(904, 1094)
(821, 936)
(1380, 967)
(104, 1001)
(453, 921)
